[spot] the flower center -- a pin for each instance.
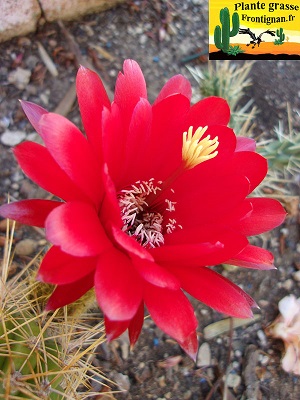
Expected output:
(144, 209)
(196, 151)
(148, 224)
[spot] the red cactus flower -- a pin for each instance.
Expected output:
(151, 197)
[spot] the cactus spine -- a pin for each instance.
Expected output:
(221, 36)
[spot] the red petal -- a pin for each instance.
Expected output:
(245, 144)
(217, 166)
(253, 257)
(130, 245)
(76, 228)
(252, 165)
(190, 345)
(130, 87)
(73, 154)
(66, 294)
(240, 212)
(209, 111)
(164, 153)
(60, 268)
(178, 84)
(110, 210)
(171, 311)
(137, 141)
(92, 97)
(266, 215)
(37, 163)
(29, 212)
(118, 286)
(113, 132)
(136, 325)
(33, 113)
(155, 274)
(215, 291)
(114, 329)
(209, 199)
(188, 247)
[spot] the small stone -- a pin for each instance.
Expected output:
(17, 176)
(122, 381)
(204, 355)
(44, 98)
(187, 395)
(162, 381)
(25, 247)
(262, 337)
(172, 30)
(143, 39)
(288, 284)
(144, 374)
(238, 353)
(297, 276)
(264, 359)
(20, 77)
(263, 303)
(233, 380)
(5, 122)
(112, 73)
(31, 61)
(12, 138)
(28, 189)
(34, 137)
(125, 350)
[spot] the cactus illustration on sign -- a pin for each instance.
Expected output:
(222, 35)
(281, 36)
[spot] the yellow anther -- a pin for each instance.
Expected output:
(196, 151)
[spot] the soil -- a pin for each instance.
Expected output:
(159, 35)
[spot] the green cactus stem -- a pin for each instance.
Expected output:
(26, 355)
(222, 35)
(283, 153)
(280, 35)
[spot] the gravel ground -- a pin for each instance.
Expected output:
(159, 34)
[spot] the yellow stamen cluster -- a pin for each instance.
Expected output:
(196, 151)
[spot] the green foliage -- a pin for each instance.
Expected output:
(222, 35)
(234, 50)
